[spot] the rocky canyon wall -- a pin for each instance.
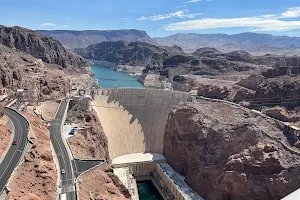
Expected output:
(224, 152)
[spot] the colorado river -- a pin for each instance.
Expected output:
(147, 191)
(108, 78)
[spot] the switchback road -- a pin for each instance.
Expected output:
(15, 152)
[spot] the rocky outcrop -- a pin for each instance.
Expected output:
(239, 56)
(40, 46)
(252, 82)
(283, 114)
(213, 91)
(175, 49)
(280, 90)
(19, 70)
(228, 92)
(278, 85)
(285, 66)
(89, 144)
(224, 152)
(212, 87)
(123, 53)
(82, 39)
(207, 52)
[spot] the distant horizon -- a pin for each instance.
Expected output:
(158, 18)
(168, 35)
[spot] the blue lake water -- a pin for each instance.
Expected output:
(108, 78)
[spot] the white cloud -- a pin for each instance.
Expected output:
(48, 24)
(193, 1)
(181, 6)
(269, 22)
(193, 15)
(259, 23)
(68, 18)
(178, 14)
(291, 13)
(126, 18)
(142, 18)
(269, 16)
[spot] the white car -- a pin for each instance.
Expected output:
(63, 171)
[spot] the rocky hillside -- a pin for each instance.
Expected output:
(90, 144)
(123, 53)
(167, 62)
(82, 39)
(40, 46)
(101, 183)
(257, 44)
(207, 52)
(209, 61)
(19, 70)
(226, 154)
(279, 85)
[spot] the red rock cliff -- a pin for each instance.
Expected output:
(225, 153)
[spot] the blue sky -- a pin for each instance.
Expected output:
(157, 17)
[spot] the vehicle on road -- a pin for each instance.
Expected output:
(63, 196)
(72, 132)
(15, 142)
(63, 171)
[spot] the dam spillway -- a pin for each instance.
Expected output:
(134, 119)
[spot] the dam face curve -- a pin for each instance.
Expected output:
(134, 120)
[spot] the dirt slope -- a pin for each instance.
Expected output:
(102, 185)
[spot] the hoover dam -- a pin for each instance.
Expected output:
(134, 119)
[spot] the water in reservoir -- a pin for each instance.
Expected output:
(147, 191)
(108, 78)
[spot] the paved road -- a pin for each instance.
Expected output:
(81, 166)
(67, 179)
(15, 152)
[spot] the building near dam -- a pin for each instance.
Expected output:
(134, 122)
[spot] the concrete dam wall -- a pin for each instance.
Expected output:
(134, 120)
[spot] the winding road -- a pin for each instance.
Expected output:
(67, 182)
(12, 158)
